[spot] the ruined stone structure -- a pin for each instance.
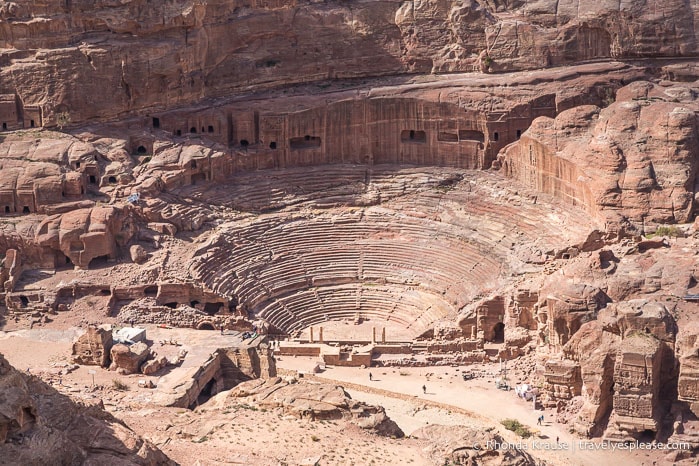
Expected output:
(94, 347)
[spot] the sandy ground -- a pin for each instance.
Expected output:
(241, 435)
(399, 391)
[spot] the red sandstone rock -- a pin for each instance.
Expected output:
(128, 359)
(633, 160)
(39, 425)
(85, 234)
(94, 346)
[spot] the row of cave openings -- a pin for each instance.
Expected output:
(32, 124)
(312, 142)
(13, 210)
(420, 137)
(210, 308)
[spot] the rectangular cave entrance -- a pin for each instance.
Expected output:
(213, 308)
(198, 178)
(305, 142)
(411, 135)
(471, 135)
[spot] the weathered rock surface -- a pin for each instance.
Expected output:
(85, 234)
(466, 445)
(631, 164)
(317, 401)
(165, 54)
(325, 84)
(626, 367)
(688, 355)
(154, 365)
(128, 359)
(138, 254)
(39, 425)
(94, 346)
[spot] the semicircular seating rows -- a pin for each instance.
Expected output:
(410, 261)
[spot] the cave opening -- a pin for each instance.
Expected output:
(646, 436)
(205, 394)
(198, 178)
(413, 136)
(499, 333)
(212, 308)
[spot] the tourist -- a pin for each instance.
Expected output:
(424, 390)
(538, 421)
(221, 329)
(370, 377)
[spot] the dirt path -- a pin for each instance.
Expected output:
(476, 400)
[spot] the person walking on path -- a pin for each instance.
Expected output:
(424, 390)
(370, 377)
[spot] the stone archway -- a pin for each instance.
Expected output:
(206, 325)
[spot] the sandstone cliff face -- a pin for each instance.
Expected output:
(688, 356)
(627, 368)
(633, 163)
(85, 234)
(38, 425)
(148, 55)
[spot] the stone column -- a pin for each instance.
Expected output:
(311, 330)
(320, 334)
(373, 334)
(383, 335)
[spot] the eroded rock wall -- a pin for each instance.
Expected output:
(631, 164)
(38, 425)
(154, 55)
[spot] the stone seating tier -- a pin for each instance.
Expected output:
(448, 242)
